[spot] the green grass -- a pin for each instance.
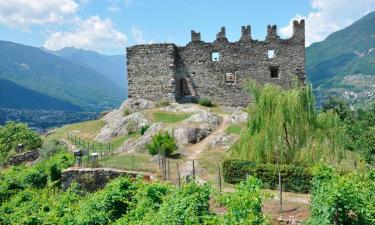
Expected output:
(234, 129)
(86, 130)
(167, 117)
(129, 161)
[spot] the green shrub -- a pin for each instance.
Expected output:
(163, 103)
(294, 178)
(36, 178)
(162, 142)
(131, 127)
(13, 134)
(206, 102)
(127, 112)
(342, 199)
(144, 129)
(244, 204)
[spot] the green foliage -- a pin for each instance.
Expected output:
(344, 199)
(339, 105)
(162, 142)
(105, 205)
(131, 127)
(127, 112)
(244, 205)
(13, 134)
(167, 117)
(19, 178)
(188, 205)
(206, 102)
(144, 129)
(163, 103)
(295, 178)
(284, 127)
(234, 129)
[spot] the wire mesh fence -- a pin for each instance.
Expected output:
(177, 171)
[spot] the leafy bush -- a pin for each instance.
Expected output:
(144, 129)
(294, 178)
(127, 112)
(13, 134)
(131, 127)
(163, 103)
(206, 102)
(187, 205)
(342, 199)
(162, 142)
(36, 178)
(244, 204)
(18, 178)
(105, 205)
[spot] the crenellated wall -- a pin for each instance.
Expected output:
(165, 71)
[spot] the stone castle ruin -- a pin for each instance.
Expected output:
(216, 70)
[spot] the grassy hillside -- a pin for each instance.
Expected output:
(56, 77)
(28, 99)
(343, 57)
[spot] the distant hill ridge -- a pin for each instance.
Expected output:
(344, 63)
(59, 78)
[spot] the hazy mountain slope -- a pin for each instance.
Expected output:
(17, 97)
(54, 76)
(344, 63)
(111, 66)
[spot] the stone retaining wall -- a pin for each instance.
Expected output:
(92, 179)
(28, 156)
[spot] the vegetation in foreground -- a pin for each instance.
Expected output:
(30, 195)
(12, 134)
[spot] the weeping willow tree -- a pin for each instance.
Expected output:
(284, 127)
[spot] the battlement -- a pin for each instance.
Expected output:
(217, 70)
(298, 34)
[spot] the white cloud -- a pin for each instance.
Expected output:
(137, 35)
(91, 34)
(113, 8)
(22, 14)
(329, 16)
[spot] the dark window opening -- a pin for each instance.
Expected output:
(274, 72)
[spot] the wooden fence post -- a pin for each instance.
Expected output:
(219, 178)
(178, 176)
(194, 170)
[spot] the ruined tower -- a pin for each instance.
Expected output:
(217, 70)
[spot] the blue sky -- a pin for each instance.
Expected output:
(109, 26)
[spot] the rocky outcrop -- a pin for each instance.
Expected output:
(141, 143)
(28, 156)
(223, 140)
(238, 117)
(135, 105)
(118, 124)
(196, 128)
(92, 179)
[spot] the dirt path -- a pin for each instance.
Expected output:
(194, 151)
(71, 146)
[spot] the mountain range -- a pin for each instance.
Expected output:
(69, 79)
(344, 63)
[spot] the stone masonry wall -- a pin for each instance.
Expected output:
(28, 156)
(191, 67)
(151, 71)
(91, 179)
